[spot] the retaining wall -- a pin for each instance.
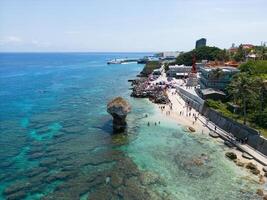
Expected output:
(238, 130)
(255, 140)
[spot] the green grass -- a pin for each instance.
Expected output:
(222, 108)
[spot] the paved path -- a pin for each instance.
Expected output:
(258, 156)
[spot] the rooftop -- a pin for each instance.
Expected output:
(211, 91)
(179, 66)
(223, 68)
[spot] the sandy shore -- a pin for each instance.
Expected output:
(178, 112)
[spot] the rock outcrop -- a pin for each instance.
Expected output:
(119, 108)
(253, 168)
(156, 93)
(231, 155)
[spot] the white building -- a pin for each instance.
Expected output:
(168, 54)
(179, 71)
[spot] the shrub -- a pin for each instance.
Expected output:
(149, 67)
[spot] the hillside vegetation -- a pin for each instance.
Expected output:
(149, 67)
(248, 90)
(202, 53)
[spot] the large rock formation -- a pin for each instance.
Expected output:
(156, 94)
(119, 108)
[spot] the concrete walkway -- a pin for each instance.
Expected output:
(259, 157)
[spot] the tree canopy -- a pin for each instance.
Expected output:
(202, 53)
(258, 67)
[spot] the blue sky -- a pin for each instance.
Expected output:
(129, 25)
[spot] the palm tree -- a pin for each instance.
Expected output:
(243, 87)
(261, 90)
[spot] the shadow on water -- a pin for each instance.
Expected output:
(106, 126)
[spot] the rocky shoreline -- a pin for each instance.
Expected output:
(142, 88)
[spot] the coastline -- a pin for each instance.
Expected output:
(177, 111)
(178, 104)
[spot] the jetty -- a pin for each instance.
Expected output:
(123, 61)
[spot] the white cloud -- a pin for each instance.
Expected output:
(40, 44)
(10, 40)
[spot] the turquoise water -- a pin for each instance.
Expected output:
(57, 143)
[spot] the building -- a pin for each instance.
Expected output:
(211, 93)
(219, 81)
(234, 48)
(247, 46)
(178, 71)
(201, 42)
(171, 54)
(168, 54)
(201, 64)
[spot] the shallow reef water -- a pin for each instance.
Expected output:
(57, 143)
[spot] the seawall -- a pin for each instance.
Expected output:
(240, 131)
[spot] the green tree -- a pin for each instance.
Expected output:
(242, 87)
(202, 53)
(258, 67)
(240, 55)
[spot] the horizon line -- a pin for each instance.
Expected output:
(80, 51)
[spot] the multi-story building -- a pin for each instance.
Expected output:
(201, 42)
(178, 71)
(168, 55)
(216, 79)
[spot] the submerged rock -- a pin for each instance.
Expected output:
(191, 129)
(16, 196)
(16, 187)
(102, 193)
(36, 171)
(253, 168)
(148, 178)
(231, 155)
(239, 163)
(119, 108)
(116, 179)
(260, 192)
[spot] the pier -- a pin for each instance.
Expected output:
(123, 60)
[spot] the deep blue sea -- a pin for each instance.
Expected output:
(57, 143)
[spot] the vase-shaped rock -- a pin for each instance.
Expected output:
(119, 108)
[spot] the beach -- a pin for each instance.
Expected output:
(58, 143)
(181, 113)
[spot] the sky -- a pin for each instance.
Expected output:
(129, 25)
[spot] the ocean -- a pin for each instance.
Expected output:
(57, 143)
